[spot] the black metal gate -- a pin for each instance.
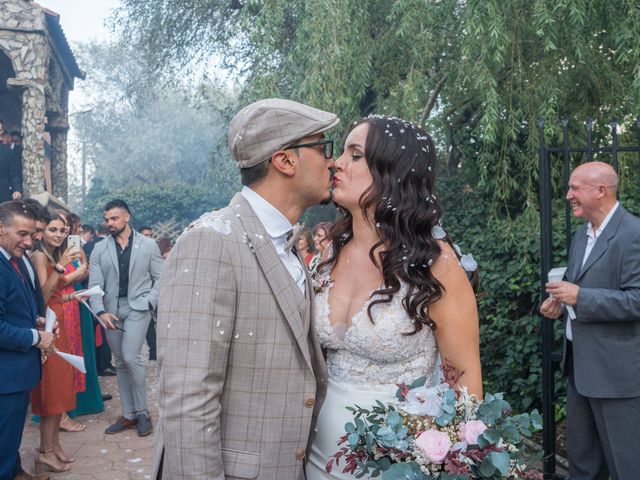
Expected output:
(546, 254)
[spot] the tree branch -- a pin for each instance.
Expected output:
(432, 100)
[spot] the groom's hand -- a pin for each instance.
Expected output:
(564, 292)
(551, 308)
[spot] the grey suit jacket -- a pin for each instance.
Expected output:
(606, 333)
(242, 376)
(145, 266)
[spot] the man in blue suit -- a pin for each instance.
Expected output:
(20, 340)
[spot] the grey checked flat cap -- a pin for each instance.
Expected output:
(266, 126)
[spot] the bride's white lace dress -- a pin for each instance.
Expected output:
(364, 363)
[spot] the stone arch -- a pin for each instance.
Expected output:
(10, 100)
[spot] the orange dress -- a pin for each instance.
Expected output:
(55, 394)
(74, 334)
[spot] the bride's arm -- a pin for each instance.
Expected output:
(456, 317)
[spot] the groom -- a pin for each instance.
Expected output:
(602, 344)
(242, 376)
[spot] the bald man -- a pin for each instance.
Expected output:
(602, 344)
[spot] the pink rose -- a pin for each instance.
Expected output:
(434, 444)
(470, 431)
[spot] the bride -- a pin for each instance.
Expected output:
(392, 294)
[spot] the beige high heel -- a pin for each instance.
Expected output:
(67, 424)
(60, 455)
(43, 464)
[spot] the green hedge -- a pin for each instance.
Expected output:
(508, 255)
(152, 203)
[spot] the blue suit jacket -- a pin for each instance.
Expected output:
(19, 361)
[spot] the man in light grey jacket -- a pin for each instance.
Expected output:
(127, 266)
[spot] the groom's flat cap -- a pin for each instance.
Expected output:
(262, 128)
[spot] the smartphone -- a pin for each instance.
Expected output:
(73, 241)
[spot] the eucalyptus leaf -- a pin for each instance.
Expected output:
(404, 471)
(500, 460)
(419, 382)
(486, 468)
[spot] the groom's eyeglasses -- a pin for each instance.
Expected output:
(327, 147)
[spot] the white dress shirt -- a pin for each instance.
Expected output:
(592, 237)
(34, 332)
(277, 226)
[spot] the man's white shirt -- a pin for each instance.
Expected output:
(277, 227)
(592, 237)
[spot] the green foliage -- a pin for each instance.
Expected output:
(478, 74)
(152, 203)
(404, 471)
(448, 408)
(494, 462)
(508, 253)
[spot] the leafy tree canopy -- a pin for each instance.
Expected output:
(481, 71)
(157, 143)
(477, 73)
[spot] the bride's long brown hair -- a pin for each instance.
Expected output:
(402, 161)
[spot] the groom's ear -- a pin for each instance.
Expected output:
(285, 162)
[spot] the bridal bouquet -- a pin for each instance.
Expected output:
(437, 433)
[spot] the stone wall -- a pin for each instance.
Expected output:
(38, 80)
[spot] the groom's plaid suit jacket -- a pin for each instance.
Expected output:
(242, 376)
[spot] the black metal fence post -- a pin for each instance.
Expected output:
(614, 143)
(548, 390)
(565, 179)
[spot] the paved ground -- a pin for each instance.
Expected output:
(123, 456)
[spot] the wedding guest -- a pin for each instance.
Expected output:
(146, 231)
(10, 174)
(42, 218)
(90, 399)
(74, 272)
(601, 344)
(20, 341)
(101, 233)
(305, 246)
(236, 350)
(131, 293)
(16, 139)
(54, 394)
(87, 233)
(104, 358)
(320, 241)
(164, 244)
(103, 352)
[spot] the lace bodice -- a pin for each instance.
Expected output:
(375, 354)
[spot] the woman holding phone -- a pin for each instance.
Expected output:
(54, 395)
(74, 271)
